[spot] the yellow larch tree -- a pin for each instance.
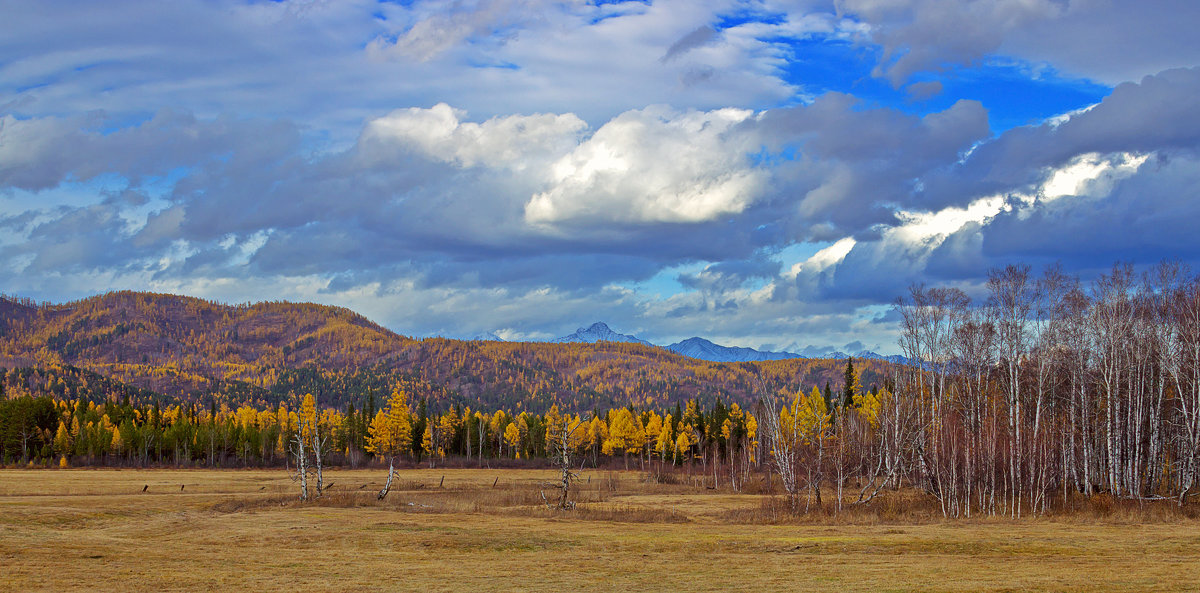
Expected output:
(868, 404)
(598, 435)
(62, 440)
(448, 427)
(654, 426)
(553, 423)
(809, 423)
(116, 444)
(684, 441)
(390, 433)
(512, 436)
(308, 416)
(663, 441)
(625, 434)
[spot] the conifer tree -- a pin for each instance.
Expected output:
(512, 436)
(390, 434)
(852, 386)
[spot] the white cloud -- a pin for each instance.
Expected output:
(653, 165)
(515, 142)
(1090, 174)
(1062, 118)
(823, 259)
(1086, 175)
(929, 228)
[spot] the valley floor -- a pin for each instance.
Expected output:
(484, 530)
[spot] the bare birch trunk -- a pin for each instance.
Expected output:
(387, 486)
(317, 445)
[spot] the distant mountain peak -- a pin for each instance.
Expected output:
(599, 332)
(486, 337)
(702, 349)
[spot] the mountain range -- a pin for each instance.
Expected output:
(702, 349)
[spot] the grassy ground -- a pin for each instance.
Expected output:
(65, 530)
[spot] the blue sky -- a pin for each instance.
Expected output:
(764, 174)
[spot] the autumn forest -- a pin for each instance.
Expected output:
(1042, 390)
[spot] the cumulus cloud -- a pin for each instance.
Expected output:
(958, 244)
(650, 166)
(1141, 213)
(515, 142)
(429, 195)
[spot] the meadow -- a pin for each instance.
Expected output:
(487, 530)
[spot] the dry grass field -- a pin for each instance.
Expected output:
(232, 530)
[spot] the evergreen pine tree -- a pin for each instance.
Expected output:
(851, 382)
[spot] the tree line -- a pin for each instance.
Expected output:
(80, 432)
(1045, 389)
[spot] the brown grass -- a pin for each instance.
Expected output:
(234, 530)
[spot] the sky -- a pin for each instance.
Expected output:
(760, 173)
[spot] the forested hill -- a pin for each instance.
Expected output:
(143, 346)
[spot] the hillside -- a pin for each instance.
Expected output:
(188, 348)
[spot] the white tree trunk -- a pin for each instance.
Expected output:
(391, 472)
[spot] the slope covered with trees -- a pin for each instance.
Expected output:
(191, 350)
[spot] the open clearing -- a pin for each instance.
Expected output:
(234, 530)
